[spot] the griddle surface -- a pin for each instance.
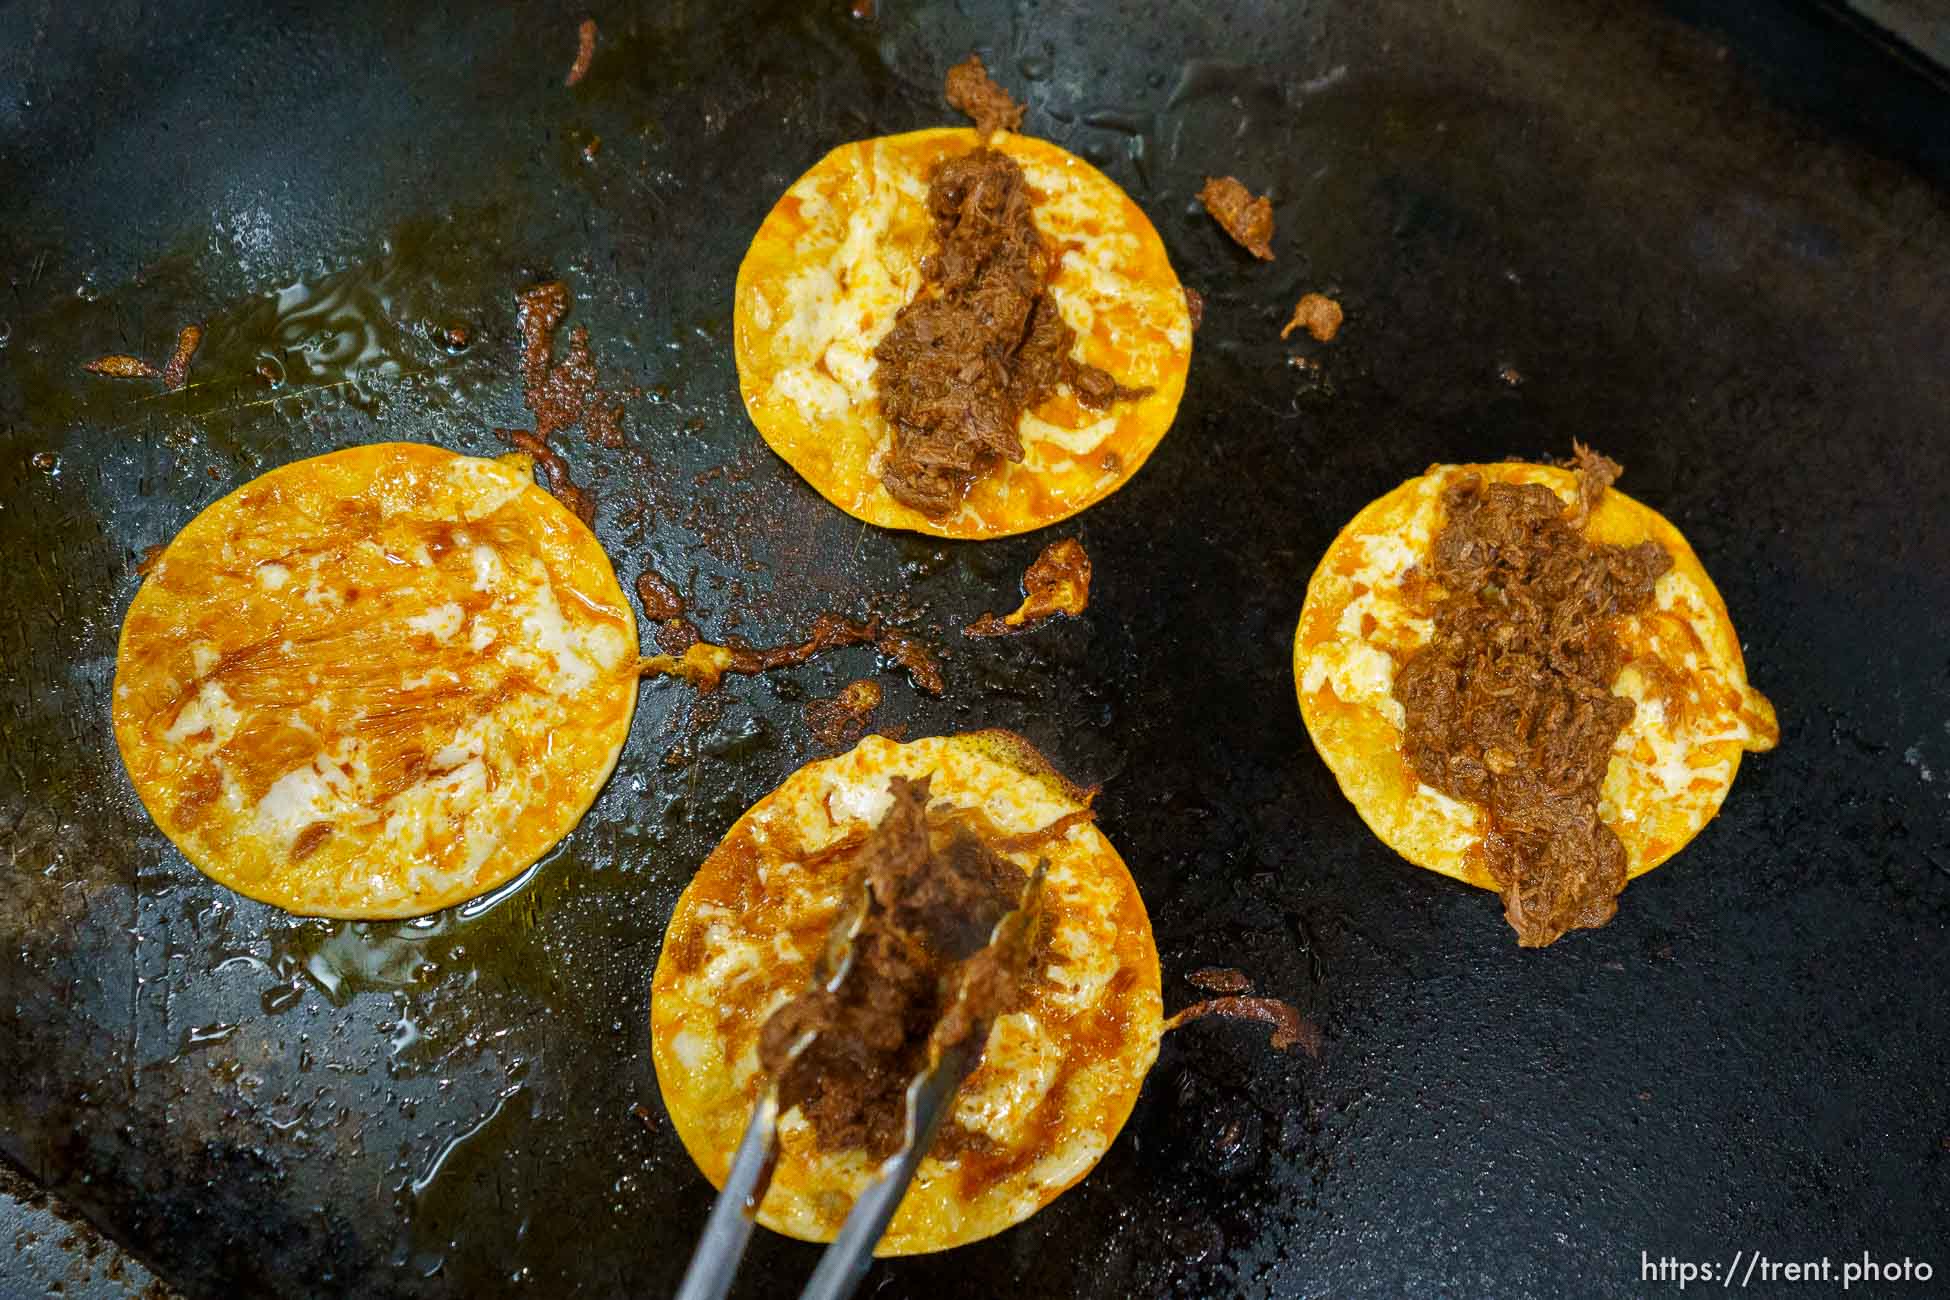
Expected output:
(1740, 291)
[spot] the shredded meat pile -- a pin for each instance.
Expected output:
(1509, 706)
(983, 340)
(937, 893)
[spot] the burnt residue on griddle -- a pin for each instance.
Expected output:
(674, 636)
(982, 343)
(906, 652)
(1056, 582)
(569, 392)
(918, 975)
(401, 330)
(555, 471)
(664, 606)
(1220, 979)
(1247, 219)
(1217, 1125)
(659, 598)
(1509, 705)
(842, 720)
(704, 663)
(1290, 1028)
(560, 394)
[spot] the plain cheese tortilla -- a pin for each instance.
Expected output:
(375, 683)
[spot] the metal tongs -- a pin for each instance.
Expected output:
(845, 1262)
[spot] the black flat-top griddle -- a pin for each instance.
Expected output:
(1727, 268)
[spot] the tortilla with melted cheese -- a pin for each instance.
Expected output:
(840, 255)
(1369, 605)
(375, 683)
(1062, 1067)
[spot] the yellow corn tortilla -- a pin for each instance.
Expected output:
(375, 683)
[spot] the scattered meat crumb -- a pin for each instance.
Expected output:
(1220, 979)
(644, 1114)
(840, 721)
(1247, 219)
(862, 10)
(1290, 1028)
(44, 460)
(1195, 304)
(555, 471)
(1320, 314)
(177, 370)
(592, 148)
(1510, 375)
(971, 90)
(1057, 583)
(585, 51)
(119, 365)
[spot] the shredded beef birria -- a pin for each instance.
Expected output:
(970, 89)
(937, 893)
(982, 342)
(1247, 219)
(1509, 706)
